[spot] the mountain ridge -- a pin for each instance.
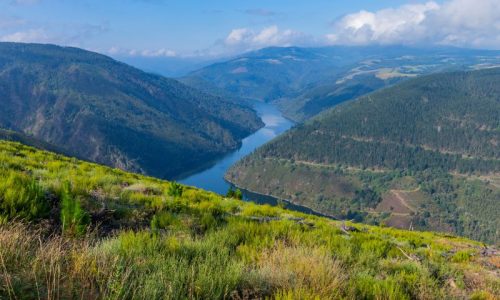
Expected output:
(305, 81)
(106, 111)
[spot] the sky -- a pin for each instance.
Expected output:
(210, 28)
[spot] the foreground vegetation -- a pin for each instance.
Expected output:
(71, 229)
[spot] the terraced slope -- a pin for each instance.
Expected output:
(438, 134)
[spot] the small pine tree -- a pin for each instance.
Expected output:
(74, 218)
(175, 189)
(232, 193)
(238, 194)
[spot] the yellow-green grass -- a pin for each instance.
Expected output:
(148, 238)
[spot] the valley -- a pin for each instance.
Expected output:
(93, 107)
(212, 177)
(240, 150)
(304, 82)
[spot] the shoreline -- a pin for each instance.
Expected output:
(315, 212)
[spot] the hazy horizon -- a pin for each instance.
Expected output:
(199, 30)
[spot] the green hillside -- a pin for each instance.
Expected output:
(306, 81)
(102, 233)
(421, 154)
(105, 111)
(381, 67)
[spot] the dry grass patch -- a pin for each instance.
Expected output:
(302, 272)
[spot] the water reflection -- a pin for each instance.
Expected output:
(212, 178)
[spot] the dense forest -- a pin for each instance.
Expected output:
(440, 130)
(73, 229)
(102, 110)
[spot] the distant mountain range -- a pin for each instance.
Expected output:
(102, 110)
(424, 153)
(306, 81)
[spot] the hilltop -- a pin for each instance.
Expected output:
(105, 111)
(421, 154)
(306, 81)
(100, 233)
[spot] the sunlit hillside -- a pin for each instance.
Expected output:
(72, 229)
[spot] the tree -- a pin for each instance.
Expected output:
(234, 193)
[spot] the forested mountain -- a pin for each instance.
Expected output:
(306, 81)
(424, 153)
(72, 229)
(14, 136)
(105, 111)
(266, 74)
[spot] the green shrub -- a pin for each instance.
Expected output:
(175, 189)
(462, 256)
(74, 218)
(368, 287)
(22, 197)
(234, 193)
(163, 220)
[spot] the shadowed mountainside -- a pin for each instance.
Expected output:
(105, 111)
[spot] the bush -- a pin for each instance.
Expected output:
(22, 197)
(74, 219)
(232, 193)
(175, 189)
(163, 220)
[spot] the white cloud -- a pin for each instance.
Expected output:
(38, 35)
(237, 36)
(248, 39)
(70, 35)
(145, 53)
(470, 23)
(159, 53)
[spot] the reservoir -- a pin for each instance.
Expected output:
(212, 178)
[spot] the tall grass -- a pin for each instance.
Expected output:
(155, 243)
(21, 197)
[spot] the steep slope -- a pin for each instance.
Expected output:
(108, 112)
(431, 141)
(101, 233)
(14, 136)
(306, 81)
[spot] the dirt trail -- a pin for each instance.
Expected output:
(403, 201)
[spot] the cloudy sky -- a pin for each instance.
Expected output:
(168, 28)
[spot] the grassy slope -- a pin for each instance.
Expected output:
(14, 136)
(106, 111)
(350, 159)
(157, 242)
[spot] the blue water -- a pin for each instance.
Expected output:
(212, 178)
